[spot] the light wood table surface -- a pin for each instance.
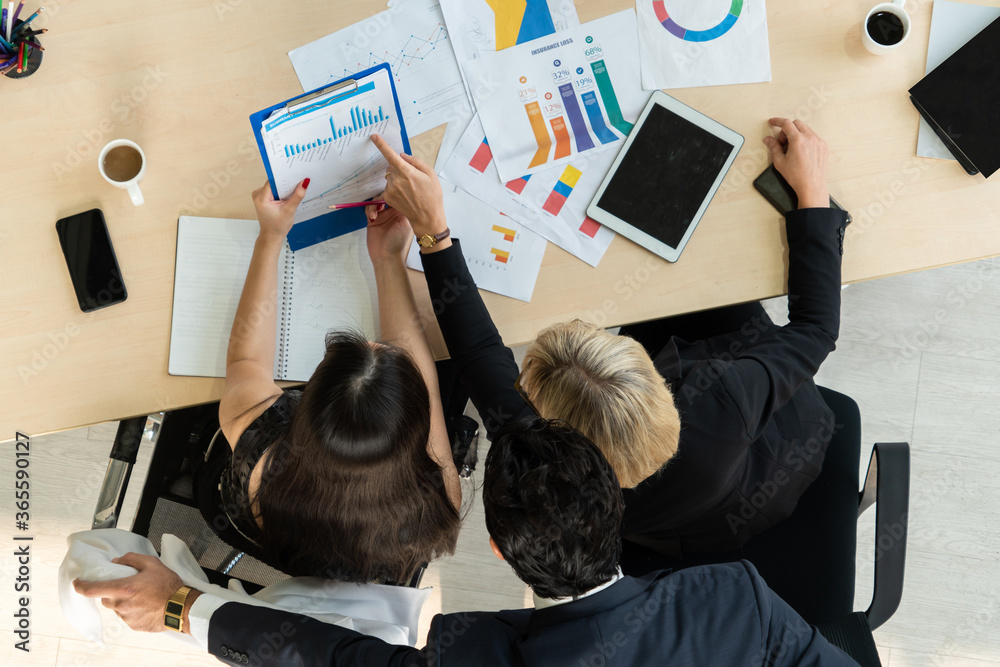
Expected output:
(181, 79)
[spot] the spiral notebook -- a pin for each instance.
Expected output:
(324, 287)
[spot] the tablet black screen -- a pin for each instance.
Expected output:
(665, 176)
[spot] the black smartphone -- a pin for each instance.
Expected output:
(93, 267)
(780, 194)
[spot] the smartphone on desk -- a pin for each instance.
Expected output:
(93, 267)
(782, 196)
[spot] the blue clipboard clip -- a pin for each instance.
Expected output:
(335, 223)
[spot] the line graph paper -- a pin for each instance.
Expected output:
(413, 53)
(412, 37)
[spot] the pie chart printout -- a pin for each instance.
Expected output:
(720, 29)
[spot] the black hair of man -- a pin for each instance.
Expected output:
(553, 506)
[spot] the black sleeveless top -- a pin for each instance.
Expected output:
(234, 483)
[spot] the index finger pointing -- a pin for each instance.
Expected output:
(392, 156)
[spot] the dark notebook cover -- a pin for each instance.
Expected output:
(962, 95)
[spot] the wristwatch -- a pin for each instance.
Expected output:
(429, 241)
(173, 616)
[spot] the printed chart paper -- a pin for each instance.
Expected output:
(485, 26)
(411, 36)
(689, 43)
(559, 97)
(326, 140)
(503, 257)
(552, 203)
(953, 24)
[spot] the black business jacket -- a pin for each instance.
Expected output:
(709, 615)
(754, 428)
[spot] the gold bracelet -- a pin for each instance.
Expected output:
(173, 616)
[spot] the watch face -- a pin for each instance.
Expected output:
(427, 241)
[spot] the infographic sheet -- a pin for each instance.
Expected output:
(689, 43)
(554, 99)
(552, 203)
(502, 256)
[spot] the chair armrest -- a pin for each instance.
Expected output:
(888, 486)
(123, 453)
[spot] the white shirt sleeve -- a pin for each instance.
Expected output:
(200, 616)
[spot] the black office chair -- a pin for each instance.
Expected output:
(809, 558)
(168, 504)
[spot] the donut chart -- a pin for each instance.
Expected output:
(715, 32)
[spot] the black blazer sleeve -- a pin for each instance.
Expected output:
(783, 361)
(485, 366)
(786, 639)
(241, 634)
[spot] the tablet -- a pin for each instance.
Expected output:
(665, 176)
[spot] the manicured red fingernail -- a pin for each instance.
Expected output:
(305, 184)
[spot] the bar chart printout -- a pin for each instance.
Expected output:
(560, 97)
(327, 141)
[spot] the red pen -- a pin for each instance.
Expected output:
(357, 204)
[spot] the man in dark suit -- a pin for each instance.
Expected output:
(553, 509)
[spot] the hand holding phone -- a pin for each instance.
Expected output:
(91, 260)
(781, 195)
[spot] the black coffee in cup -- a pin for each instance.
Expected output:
(885, 28)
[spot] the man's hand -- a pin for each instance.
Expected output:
(413, 189)
(800, 156)
(276, 216)
(139, 600)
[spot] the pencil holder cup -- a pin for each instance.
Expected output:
(34, 60)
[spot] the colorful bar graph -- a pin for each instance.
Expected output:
(359, 118)
(508, 234)
(610, 99)
(563, 146)
(563, 189)
(580, 133)
(590, 227)
(500, 255)
(593, 107)
(482, 158)
(541, 134)
(518, 184)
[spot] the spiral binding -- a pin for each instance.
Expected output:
(286, 311)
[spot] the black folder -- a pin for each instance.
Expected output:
(960, 98)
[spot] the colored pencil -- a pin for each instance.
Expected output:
(3, 23)
(34, 45)
(10, 18)
(30, 19)
(7, 45)
(20, 6)
(20, 58)
(358, 204)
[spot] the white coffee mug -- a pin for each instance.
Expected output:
(896, 8)
(132, 185)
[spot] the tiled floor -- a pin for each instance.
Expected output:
(918, 353)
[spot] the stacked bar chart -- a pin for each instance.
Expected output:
(563, 189)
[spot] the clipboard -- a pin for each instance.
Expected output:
(334, 223)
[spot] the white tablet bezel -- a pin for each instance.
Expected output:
(623, 227)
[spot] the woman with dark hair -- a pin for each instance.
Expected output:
(351, 477)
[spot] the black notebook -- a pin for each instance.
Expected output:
(961, 96)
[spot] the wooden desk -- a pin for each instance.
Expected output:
(181, 78)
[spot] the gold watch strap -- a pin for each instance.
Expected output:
(173, 616)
